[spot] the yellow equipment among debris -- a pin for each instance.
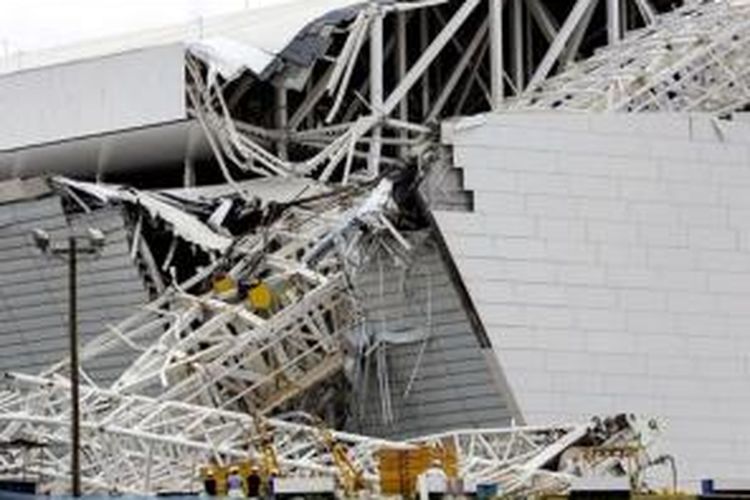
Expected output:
(223, 284)
(351, 476)
(399, 469)
(269, 459)
(220, 474)
(260, 297)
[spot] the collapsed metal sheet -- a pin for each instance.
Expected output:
(229, 58)
(293, 33)
(185, 225)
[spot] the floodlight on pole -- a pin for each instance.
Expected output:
(41, 239)
(96, 241)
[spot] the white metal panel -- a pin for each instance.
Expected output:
(609, 258)
(269, 29)
(125, 91)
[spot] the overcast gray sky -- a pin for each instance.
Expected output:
(28, 25)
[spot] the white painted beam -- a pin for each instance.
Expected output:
(518, 45)
(576, 39)
(424, 40)
(429, 55)
(496, 52)
(282, 121)
(401, 63)
(613, 21)
(647, 11)
(547, 24)
(376, 89)
(561, 40)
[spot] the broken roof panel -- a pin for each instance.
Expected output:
(229, 58)
(184, 224)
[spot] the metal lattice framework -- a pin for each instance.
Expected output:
(143, 445)
(211, 366)
(344, 128)
(215, 348)
(696, 58)
(516, 458)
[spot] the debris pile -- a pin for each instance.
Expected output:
(224, 355)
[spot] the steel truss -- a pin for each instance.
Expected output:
(216, 348)
(520, 458)
(344, 128)
(143, 445)
(696, 58)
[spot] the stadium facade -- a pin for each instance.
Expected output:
(576, 181)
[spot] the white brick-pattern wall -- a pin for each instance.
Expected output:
(609, 259)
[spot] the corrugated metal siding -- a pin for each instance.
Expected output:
(34, 288)
(454, 385)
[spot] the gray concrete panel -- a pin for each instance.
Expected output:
(91, 97)
(33, 288)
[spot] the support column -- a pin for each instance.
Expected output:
(188, 176)
(376, 89)
(403, 107)
(518, 71)
(424, 41)
(282, 121)
(613, 21)
(496, 52)
(75, 401)
(561, 40)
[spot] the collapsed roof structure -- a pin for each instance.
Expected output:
(319, 272)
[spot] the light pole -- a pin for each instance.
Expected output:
(95, 242)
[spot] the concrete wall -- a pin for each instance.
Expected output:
(34, 288)
(609, 256)
(97, 96)
(452, 384)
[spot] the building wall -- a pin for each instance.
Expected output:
(452, 384)
(34, 288)
(609, 258)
